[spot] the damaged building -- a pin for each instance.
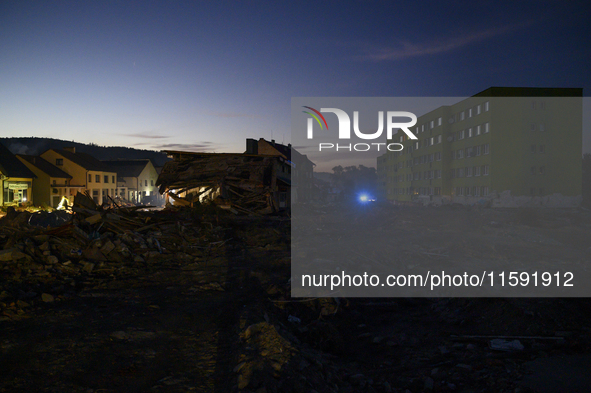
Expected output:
(262, 180)
(241, 183)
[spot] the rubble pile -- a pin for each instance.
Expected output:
(48, 256)
(241, 183)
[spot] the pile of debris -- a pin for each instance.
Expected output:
(49, 255)
(237, 182)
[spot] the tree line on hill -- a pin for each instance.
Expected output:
(36, 146)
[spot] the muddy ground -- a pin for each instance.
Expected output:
(212, 312)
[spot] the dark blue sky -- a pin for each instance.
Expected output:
(207, 75)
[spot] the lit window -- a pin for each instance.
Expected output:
(432, 124)
(486, 106)
(470, 112)
(477, 130)
(439, 121)
(486, 127)
(462, 115)
(478, 108)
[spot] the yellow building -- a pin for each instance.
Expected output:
(16, 180)
(504, 146)
(96, 177)
(51, 184)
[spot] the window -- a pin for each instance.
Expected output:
(469, 171)
(486, 106)
(542, 170)
(469, 152)
(461, 134)
(113, 179)
(484, 190)
(59, 161)
(439, 138)
(460, 154)
(417, 145)
(541, 127)
(467, 191)
(486, 149)
(485, 170)
(486, 128)
(439, 121)
(97, 178)
(542, 107)
(470, 132)
(478, 109)
(542, 148)
(152, 181)
(470, 112)
(90, 178)
(462, 115)
(477, 130)
(431, 141)
(54, 182)
(478, 150)
(533, 107)
(432, 124)
(106, 179)
(438, 156)
(146, 183)
(476, 171)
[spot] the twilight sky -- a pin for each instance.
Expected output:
(204, 76)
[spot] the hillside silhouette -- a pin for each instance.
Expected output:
(35, 146)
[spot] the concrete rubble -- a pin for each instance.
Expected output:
(198, 299)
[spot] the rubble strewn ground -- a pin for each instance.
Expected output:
(197, 299)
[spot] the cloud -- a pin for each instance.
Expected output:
(407, 49)
(233, 114)
(202, 146)
(142, 135)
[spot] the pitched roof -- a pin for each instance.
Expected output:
(287, 151)
(11, 166)
(127, 168)
(86, 161)
(45, 166)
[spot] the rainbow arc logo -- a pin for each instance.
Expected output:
(316, 117)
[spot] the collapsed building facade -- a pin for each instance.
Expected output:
(241, 183)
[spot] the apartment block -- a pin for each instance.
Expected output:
(503, 146)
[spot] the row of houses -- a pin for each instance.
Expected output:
(59, 174)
